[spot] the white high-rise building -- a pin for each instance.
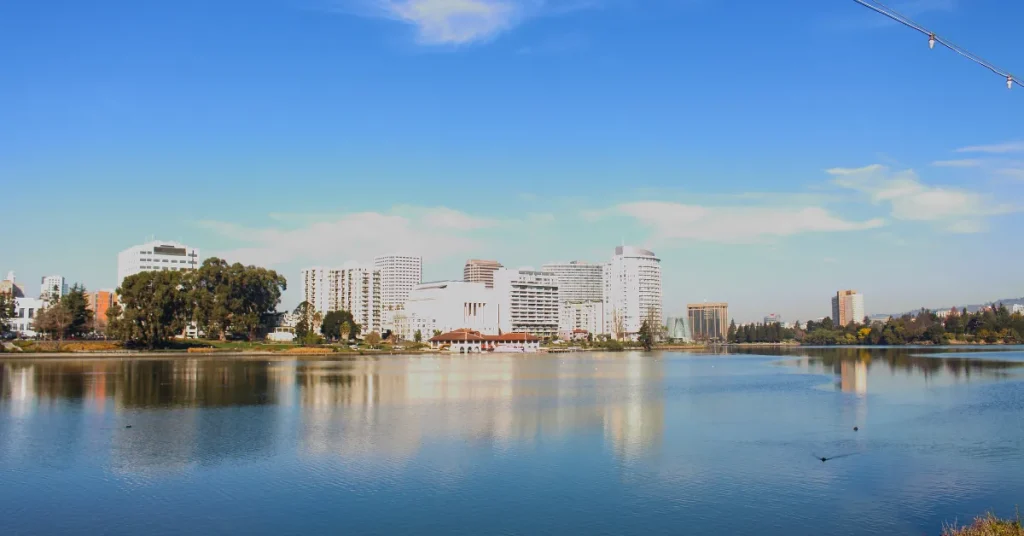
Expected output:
(314, 288)
(447, 306)
(527, 302)
(358, 291)
(53, 284)
(632, 290)
(399, 274)
(156, 255)
(580, 296)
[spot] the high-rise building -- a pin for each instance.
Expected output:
(10, 287)
(315, 288)
(580, 296)
(156, 255)
(480, 271)
(99, 302)
(399, 274)
(358, 291)
(447, 306)
(847, 306)
(632, 290)
(53, 284)
(527, 302)
(708, 321)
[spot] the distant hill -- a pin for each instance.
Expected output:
(970, 308)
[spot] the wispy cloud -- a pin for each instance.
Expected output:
(1014, 172)
(952, 209)
(460, 22)
(432, 232)
(731, 224)
(998, 148)
(962, 163)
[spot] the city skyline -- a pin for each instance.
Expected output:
(758, 171)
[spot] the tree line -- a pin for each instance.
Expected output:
(219, 299)
(759, 333)
(990, 325)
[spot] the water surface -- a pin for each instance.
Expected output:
(572, 443)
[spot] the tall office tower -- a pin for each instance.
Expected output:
(847, 306)
(399, 274)
(480, 271)
(632, 282)
(156, 255)
(527, 302)
(708, 321)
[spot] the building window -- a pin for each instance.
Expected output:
(31, 312)
(21, 313)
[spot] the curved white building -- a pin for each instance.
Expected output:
(632, 290)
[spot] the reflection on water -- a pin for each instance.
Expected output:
(558, 444)
(353, 408)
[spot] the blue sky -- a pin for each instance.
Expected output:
(771, 153)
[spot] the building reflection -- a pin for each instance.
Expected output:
(373, 410)
(853, 377)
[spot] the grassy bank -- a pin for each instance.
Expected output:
(201, 347)
(988, 525)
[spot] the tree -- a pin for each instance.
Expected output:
(646, 336)
(116, 328)
(337, 325)
(418, 336)
(731, 335)
(373, 339)
(77, 304)
(7, 311)
(305, 313)
(155, 307)
(54, 320)
(233, 297)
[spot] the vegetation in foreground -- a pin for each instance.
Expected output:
(993, 325)
(988, 525)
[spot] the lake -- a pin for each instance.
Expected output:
(627, 443)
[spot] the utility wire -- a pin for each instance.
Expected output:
(882, 9)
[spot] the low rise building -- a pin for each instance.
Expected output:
(467, 341)
(25, 310)
(446, 306)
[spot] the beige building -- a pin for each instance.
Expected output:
(847, 306)
(480, 271)
(708, 321)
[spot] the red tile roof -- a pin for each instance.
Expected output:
(468, 335)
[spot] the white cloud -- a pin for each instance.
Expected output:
(460, 22)
(1016, 173)
(999, 148)
(963, 163)
(455, 21)
(732, 224)
(953, 209)
(433, 233)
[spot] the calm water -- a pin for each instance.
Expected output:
(571, 444)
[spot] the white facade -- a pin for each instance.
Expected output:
(578, 283)
(447, 306)
(358, 291)
(156, 255)
(847, 306)
(314, 288)
(25, 310)
(632, 290)
(53, 283)
(399, 274)
(527, 302)
(585, 315)
(1017, 308)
